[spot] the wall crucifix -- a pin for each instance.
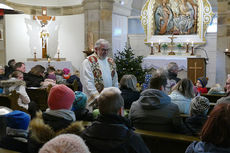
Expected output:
(44, 22)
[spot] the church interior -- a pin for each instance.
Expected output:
(63, 34)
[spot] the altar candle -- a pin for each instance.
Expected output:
(152, 44)
(187, 41)
(192, 43)
(159, 42)
(49, 60)
(34, 49)
(226, 49)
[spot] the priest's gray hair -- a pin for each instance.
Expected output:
(101, 42)
(172, 66)
(110, 101)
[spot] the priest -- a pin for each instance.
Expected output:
(98, 71)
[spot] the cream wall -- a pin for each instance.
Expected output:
(119, 32)
(71, 38)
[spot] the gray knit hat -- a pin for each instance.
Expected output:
(199, 105)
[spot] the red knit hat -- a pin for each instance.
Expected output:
(60, 97)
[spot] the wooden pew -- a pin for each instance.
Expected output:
(2, 150)
(39, 96)
(212, 98)
(11, 101)
(162, 142)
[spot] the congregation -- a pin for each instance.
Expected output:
(113, 109)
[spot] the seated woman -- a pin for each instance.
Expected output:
(182, 94)
(215, 132)
(35, 76)
(16, 83)
(198, 115)
(128, 90)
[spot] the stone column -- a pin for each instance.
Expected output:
(223, 35)
(98, 21)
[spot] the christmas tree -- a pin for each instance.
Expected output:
(128, 64)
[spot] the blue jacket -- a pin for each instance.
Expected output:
(203, 147)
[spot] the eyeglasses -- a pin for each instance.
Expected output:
(104, 50)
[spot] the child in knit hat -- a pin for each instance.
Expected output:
(65, 143)
(16, 138)
(57, 119)
(199, 107)
(201, 85)
(79, 107)
(66, 74)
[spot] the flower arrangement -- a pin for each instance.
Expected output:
(165, 46)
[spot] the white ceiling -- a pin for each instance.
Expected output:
(47, 3)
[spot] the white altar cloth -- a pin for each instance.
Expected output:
(56, 64)
(157, 62)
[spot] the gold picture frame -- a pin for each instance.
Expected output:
(150, 16)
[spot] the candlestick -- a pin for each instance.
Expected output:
(35, 58)
(159, 48)
(192, 53)
(152, 50)
(58, 59)
(187, 46)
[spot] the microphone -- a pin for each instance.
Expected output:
(206, 59)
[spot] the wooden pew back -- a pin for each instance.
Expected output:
(162, 142)
(39, 96)
(212, 98)
(11, 101)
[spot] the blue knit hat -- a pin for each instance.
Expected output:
(80, 101)
(17, 120)
(203, 81)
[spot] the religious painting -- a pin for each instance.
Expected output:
(188, 19)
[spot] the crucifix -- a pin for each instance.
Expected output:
(172, 43)
(195, 68)
(44, 33)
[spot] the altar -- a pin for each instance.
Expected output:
(56, 64)
(157, 62)
(194, 66)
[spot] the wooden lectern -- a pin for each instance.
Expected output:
(196, 68)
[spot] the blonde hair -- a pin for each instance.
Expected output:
(129, 82)
(110, 101)
(185, 87)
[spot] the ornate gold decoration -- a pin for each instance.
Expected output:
(204, 18)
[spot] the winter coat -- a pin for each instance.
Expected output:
(83, 115)
(43, 129)
(203, 147)
(18, 85)
(224, 99)
(33, 80)
(154, 111)
(113, 134)
(129, 97)
(71, 80)
(194, 124)
(181, 101)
